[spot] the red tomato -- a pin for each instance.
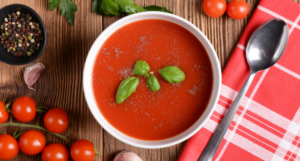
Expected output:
(32, 142)
(56, 120)
(24, 109)
(9, 147)
(4, 115)
(214, 8)
(82, 150)
(55, 152)
(237, 9)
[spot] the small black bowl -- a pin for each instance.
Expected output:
(21, 60)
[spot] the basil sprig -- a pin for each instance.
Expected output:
(140, 68)
(153, 83)
(126, 88)
(172, 74)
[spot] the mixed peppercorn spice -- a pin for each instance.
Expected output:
(20, 34)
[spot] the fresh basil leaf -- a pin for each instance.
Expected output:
(96, 8)
(67, 9)
(126, 88)
(129, 6)
(153, 83)
(140, 68)
(109, 7)
(53, 4)
(172, 74)
(156, 8)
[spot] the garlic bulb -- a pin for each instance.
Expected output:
(32, 73)
(127, 156)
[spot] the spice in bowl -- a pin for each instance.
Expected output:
(20, 34)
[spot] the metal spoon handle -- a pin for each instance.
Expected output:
(214, 142)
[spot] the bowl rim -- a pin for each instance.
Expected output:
(87, 77)
(44, 29)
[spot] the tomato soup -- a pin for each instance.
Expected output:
(149, 115)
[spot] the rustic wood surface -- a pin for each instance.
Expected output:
(64, 57)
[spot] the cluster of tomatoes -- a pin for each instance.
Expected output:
(236, 9)
(33, 142)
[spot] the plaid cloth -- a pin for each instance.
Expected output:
(267, 124)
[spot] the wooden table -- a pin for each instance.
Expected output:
(64, 57)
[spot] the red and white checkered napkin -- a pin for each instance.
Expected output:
(267, 124)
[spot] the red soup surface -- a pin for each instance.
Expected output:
(145, 114)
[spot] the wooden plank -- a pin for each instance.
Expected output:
(61, 83)
(64, 57)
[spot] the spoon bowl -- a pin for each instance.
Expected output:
(267, 44)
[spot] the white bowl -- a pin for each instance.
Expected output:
(87, 80)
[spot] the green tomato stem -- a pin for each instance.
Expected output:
(34, 126)
(96, 152)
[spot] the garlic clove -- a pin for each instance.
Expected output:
(32, 73)
(127, 156)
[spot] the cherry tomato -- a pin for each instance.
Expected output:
(32, 142)
(4, 115)
(24, 109)
(214, 8)
(82, 150)
(56, 120)
(9, 147)
(237, 9)
(55, 152)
